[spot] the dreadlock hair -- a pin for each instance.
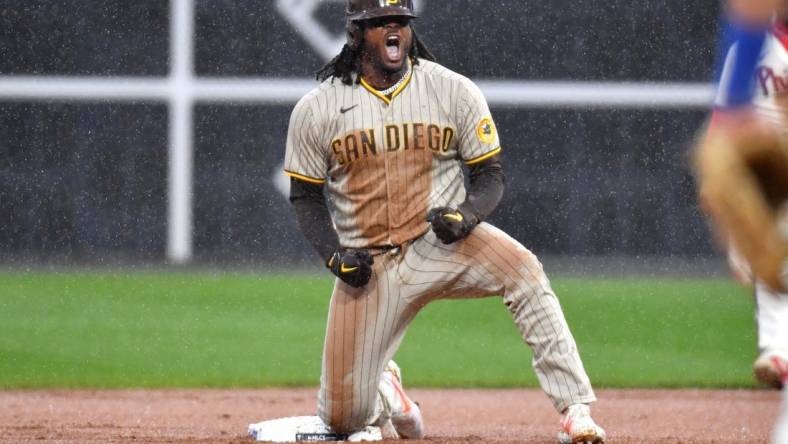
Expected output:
(348, 61)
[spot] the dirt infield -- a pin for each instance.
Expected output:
(451, 416)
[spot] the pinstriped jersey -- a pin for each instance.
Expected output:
(386, 160)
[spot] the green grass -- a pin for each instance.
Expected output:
(142, 329)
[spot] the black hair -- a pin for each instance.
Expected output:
(348, 61)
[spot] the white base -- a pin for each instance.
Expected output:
(781, 426)
(306, 428)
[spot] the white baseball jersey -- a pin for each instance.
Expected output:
(771, 78)
(386, 161)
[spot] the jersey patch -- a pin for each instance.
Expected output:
(486, 131)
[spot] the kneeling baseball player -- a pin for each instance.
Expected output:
(376, 154)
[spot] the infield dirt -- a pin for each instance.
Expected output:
(451, 416)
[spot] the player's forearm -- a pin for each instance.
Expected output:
(486, 188)
(313, 217)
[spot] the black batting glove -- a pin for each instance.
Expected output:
(451, 224)
(354, 267)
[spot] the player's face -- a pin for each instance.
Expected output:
(387, 41)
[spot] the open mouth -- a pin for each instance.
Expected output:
(393, 48)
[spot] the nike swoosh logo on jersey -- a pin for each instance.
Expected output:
(453, 216)
(345, 269)
(344, 110)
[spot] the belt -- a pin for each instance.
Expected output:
(390, 249)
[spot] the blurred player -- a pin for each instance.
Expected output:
(376, 155)
(743, 172)
(764, 112)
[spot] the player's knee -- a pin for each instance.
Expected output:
(338, 425)
(334, 418)
(344, 423)
(345, 416)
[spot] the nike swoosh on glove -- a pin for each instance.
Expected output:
(354, 267)
(451, 224)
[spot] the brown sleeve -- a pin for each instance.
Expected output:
(486, 188)
(313, 217)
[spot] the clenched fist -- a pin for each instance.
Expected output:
(450, 224)
(354, 267)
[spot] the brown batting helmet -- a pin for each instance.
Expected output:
(370, 9)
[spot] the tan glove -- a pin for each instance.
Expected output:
(743, 178)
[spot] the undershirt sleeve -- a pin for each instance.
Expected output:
(486, 188)
(313, 217)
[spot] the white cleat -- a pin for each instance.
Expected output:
(577, 427)
(771, 368)
(405, 414)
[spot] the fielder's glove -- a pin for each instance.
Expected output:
(743, 178)
(354, 267)
(450, 224)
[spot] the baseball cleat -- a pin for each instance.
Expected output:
(578, 427)
(771, 368)
(405, 414)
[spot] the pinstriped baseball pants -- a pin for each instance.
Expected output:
(366, 325)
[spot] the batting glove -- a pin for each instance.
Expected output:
(354, 267)
(450, 224)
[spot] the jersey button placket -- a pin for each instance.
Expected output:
(388, 119)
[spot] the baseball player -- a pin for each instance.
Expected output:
(742, 165)
(377, 156)
(767, 110)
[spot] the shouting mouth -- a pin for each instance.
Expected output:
(393, 48)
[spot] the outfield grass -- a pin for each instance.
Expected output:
(140, 329)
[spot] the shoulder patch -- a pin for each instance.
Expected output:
(486, 130)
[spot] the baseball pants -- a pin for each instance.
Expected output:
(772, 318)
(366, 325)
